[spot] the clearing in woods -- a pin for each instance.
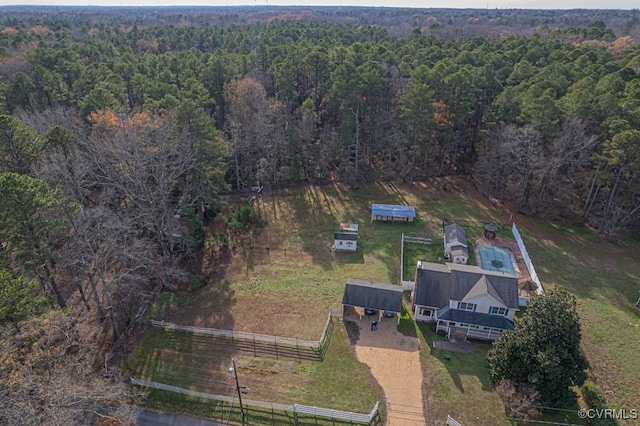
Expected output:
(282, 279)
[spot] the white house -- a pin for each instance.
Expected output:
(455, 244)
(465, 300)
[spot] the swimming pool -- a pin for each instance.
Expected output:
(496, 259)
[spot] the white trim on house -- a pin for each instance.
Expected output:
(425, 313)
(469, 330)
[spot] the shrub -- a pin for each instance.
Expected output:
(197, 281)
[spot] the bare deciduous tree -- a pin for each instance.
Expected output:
(521, 401)
(48, 376)
(247, 127)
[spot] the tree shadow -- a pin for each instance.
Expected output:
(459, 364)
(350, 257)
(320, 210)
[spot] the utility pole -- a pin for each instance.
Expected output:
(235, 374)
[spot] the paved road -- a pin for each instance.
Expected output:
(157, 418)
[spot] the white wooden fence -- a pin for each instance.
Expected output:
(336, 414)
(296, 409)
(452, 422)
(409, 285)
(527, 261)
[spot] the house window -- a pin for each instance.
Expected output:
(464, 306)
(425, 312)
(349, 243)
(495, 310)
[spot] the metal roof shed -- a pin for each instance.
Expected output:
(370, 295)
(392, 213)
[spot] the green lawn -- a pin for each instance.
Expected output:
(605, 277)
(182, 360)
(282, 279)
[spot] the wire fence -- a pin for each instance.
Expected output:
(417, 238)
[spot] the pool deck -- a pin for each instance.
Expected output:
(520, 267)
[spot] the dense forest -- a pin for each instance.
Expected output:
(121, 128)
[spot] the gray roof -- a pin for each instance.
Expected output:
(347, 236)
(436, 284)
(433, 285)
(370, 295)
(455, 234)
(477, 318)
(473, 281)
(457, 250)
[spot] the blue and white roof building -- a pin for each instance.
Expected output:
(392, 213)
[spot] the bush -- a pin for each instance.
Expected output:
(591, 395)
(242, 217)
(197, 281)
(594, 399)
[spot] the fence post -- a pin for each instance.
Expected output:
(254, 345)
(275, 341)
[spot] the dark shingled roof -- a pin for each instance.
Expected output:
(369, 295)
(433, 286)
(476, 318)
(347, 236)
(468, 281)
(436, 284)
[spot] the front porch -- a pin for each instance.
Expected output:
(453, 330)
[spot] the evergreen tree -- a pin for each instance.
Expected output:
(544, 351)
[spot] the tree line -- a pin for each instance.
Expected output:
(544, 123)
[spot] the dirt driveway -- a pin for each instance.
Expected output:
(394, 360)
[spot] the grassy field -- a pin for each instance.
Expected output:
(605, 277)
(182, 360)
(282, 279)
